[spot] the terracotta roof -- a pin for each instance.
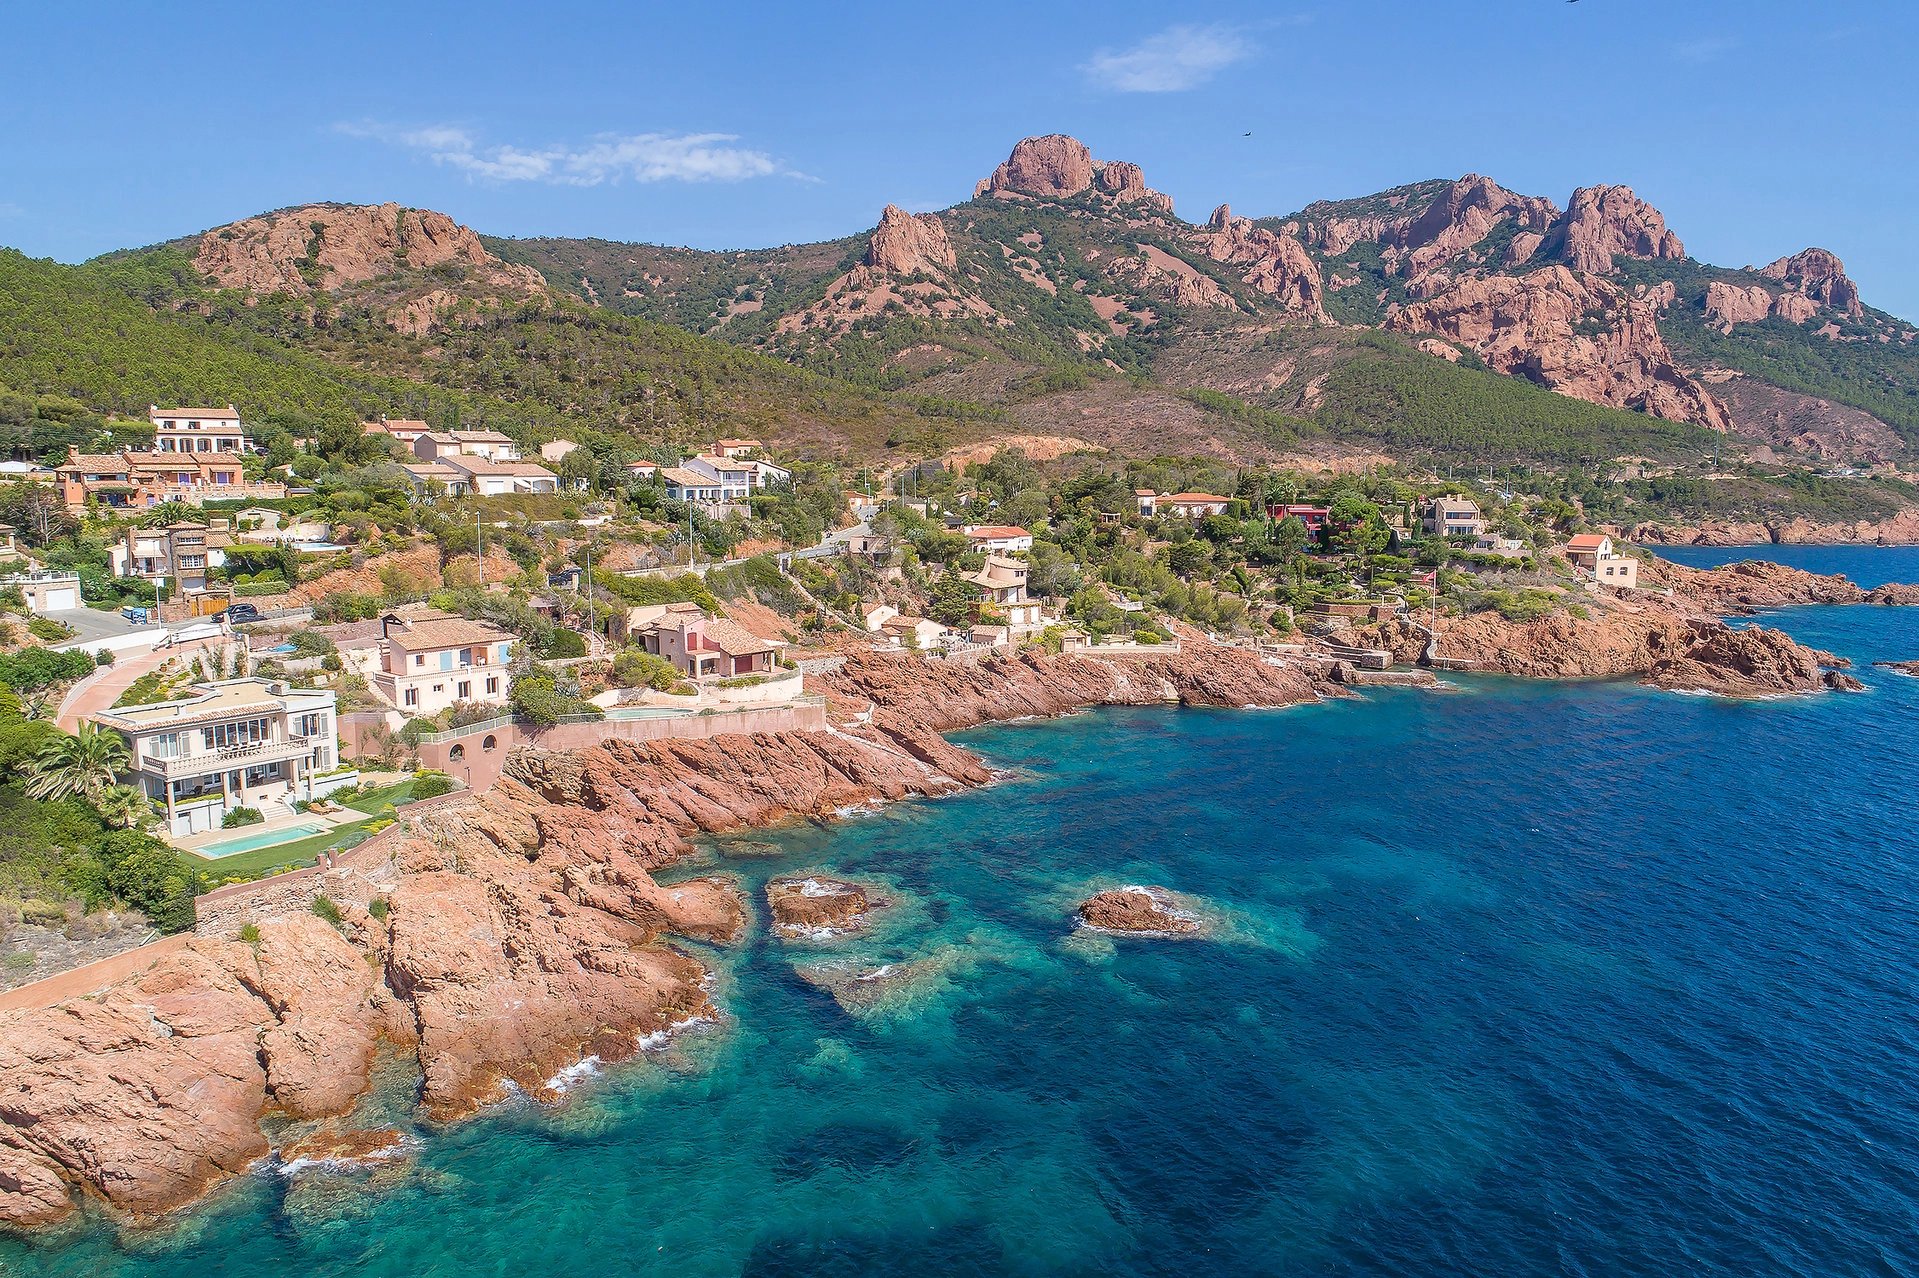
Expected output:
(1586, 541)
(1144, 492)
(736, 443)
(688, 478)
(481, 436)
(482, 466)
(448, 632)
(642, 465)
(735, 640)
(993, 532)
(724, 463)
(1193, 499)
(94, 461)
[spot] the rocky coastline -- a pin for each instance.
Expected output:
(522, 930)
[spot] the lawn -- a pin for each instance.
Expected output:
(371, 802)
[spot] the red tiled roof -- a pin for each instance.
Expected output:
(1194, 499)
(1586, 541)
(994, 532)
(201, 414)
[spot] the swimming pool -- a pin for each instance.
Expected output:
(260, 839)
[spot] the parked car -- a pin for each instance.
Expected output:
(241, 612)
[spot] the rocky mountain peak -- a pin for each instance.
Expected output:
(1462, 215)
(1056, 166)
(321, 247)
(1820, 275)
(1604, 222)
(910, 244)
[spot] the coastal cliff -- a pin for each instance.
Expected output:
(517, 932)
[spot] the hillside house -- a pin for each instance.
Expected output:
(699, 646)
(444, 445)
(1314, 517)
(404, 430)
(1194, 505)
(736, 479)
(736, 447)
(1147, 500)
(998, 538)
(1001, 582)
(429, 661)
(914, 632)
(198, 430)
(134, 480)
(1453, 516)
(178, 557)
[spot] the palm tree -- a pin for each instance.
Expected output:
(125, 807)
(85, 764)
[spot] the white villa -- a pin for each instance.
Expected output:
(235, 743)
(198, 430)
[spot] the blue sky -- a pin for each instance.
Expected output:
(1757, 127)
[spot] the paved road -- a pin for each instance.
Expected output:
(91, 625)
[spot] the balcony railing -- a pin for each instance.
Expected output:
(227, 757)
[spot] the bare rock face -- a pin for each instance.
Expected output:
(1820, 276)
(1057, 166)
(1540, 326)
(816, 907)
(1138, 911)
(1277, 265)
(1728, 304)
(1605, 222)
(1054, 166)
(910, 244)
(1461, 217)
(341, 244)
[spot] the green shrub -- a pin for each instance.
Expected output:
(325, 907)
(250, 933)
(431, 785)
(237, 817)
(377, 907)
(565, 643)
(48, 629)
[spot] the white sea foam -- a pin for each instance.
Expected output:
(659, 1038)
(573, 1075)
(386, 1153)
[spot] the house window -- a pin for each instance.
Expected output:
(419, 658)
(464, 691)
(456, 754)
(493, 684)
(412, 697)
(439, 687)
(490, 744)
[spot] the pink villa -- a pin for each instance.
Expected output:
(698, 645)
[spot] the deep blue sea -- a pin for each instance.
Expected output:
(1517, 979)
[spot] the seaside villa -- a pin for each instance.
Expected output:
(231, 744)
(1594, 553)
(1001, 581)
(699, 646)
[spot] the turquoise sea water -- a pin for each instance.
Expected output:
(1519, 979)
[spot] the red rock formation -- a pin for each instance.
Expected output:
(1460, 218)
(342, 244)
(910, 244)
(1126, 183)
(1057, 166)
(1605, 222)
(1054, 166)
(1277, 265)
(1820, 276)
(1540, 326)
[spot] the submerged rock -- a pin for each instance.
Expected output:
(344, 1150)
(1138, 911)
(817, 907)
(1907, 668)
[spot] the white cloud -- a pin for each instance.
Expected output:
(608, 157)
(1181, 57)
